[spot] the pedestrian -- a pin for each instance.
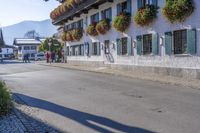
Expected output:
(53, 56)
(47, 56)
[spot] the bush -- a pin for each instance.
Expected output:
(146, 15)
(77, 34)
(91, 29)
(103, 26)
(122, 22)
(5, 99)
(178, 10)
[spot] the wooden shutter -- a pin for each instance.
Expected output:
(129, 9)
(119, 8)
(139, 45)
(168, 43)
(98, 48)
(155, 46)
(139, 4)
(119, 46)
(191, 41)
(129, 43)
(155, 2)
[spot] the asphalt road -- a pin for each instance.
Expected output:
(85, 102)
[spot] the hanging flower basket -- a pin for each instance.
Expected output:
(64, 37)
(77, 34)
(178, 10)
(146, 15)
(122, 22)
(69, 37)
(78, 1)
(103, 26)
(91, 29)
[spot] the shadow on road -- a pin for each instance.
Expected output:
(83, 118)
(5, 62)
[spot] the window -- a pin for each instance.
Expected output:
(96, 48)
(124, 46)
(33, 47)
(26, 48)
(32, 55)
(77, 50)
(67, 51)
(80, 24)
(143, 3)
(94, 18)
(107, 47)
(147, 44)
(124, 7)
(107, 14)
(180, 41)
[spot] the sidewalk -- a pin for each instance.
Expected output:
(20, 120)
(193, 83)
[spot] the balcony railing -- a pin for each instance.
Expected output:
(82, 8)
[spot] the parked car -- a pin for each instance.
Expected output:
(40, 56)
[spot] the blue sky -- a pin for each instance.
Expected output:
(14, 11)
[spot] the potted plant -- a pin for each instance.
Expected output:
(103, 26)
(122, 21)
(64, 37)
(178, 10)
(146, 15)
(91, 29)
(69, 37)
(77, 34)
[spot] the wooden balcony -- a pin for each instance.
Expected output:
(77, 11)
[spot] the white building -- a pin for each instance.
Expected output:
(7, 52)
(159, 44)
(27, 46)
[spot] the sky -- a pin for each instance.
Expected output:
(14, 11)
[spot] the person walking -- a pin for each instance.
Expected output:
(47, 56)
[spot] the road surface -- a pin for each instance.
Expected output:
(85, 102)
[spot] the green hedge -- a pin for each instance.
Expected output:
(5, 99)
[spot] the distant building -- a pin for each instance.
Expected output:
(6, 51)
(27, 46)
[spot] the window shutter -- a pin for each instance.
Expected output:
(155, 46)
(119, 46)
(129, 6)
(155, 2)
(98, 48)
(129, 45)
(191, 41)
(110, 14)
(139, 3)
(168, 43)
(139, 45)
(118, 9)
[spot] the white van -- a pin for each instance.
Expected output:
(40, 56)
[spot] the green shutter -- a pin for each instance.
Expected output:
(139, 45)
(129, 6)
(129, 42)
(118, 9)
(155, 2)
(139, 4)
(119, 46)
(168, 43)
(191, 41)
(98, 48)
(155, 46)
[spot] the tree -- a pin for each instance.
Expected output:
(56, 46)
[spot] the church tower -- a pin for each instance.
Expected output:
(2, 43)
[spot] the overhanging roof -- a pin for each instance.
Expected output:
(27, 41)
(82, 8)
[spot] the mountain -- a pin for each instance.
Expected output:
(44, 28)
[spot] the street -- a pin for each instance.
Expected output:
(85, 102)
